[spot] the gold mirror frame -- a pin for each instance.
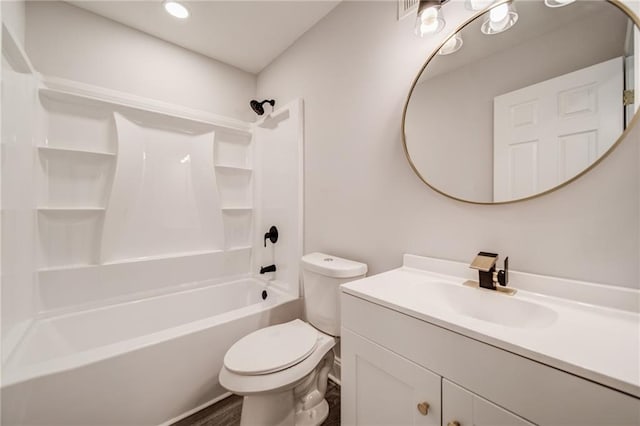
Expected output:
(634, 120)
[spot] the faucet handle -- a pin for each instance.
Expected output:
(484, 261)
(503, 274)
(272, 236)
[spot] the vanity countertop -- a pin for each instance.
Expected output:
(595, 334)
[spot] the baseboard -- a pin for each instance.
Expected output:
(195, 410)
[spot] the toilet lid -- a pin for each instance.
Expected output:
(272, 348)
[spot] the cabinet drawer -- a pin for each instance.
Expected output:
(539, 393)
(380, 387)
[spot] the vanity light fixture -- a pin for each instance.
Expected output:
(175, 9)
(452, 45)
(430, 19)
(499, 19)
(558, 3)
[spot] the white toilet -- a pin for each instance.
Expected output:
(282, 370)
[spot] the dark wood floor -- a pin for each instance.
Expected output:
(227, 411)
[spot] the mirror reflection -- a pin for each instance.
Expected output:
(523, 99)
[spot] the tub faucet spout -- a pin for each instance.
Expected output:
(265, 269)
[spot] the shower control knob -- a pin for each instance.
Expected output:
(272, 236)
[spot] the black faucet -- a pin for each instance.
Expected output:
(485, 263)
(265, 269)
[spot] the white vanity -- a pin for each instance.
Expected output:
(420, 347)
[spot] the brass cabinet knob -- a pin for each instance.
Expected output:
(423, 407)
(454, 423)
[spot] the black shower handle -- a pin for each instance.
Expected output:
(272, 236)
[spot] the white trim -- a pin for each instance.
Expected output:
(195, 410)
(14, 53)
(96, 93)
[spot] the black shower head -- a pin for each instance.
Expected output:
(257, 106)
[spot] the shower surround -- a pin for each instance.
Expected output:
(147, 231)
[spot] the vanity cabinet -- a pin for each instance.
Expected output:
(463, 408)
(392, 362)
(382, 388)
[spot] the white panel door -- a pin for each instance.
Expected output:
(549, 132)
(380, 387)
(463, 408)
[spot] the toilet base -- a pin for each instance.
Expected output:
(301, 405)
(314, 416)
(272, 409)
(277, 410)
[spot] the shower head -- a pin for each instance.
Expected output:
(257, 106)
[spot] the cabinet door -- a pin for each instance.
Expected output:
(380, 387)
(463, 408)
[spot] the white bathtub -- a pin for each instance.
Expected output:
(145, 362)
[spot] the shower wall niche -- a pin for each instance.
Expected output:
(130, 188)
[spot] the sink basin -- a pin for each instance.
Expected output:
(486, 305)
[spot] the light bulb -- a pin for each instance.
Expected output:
(501, 18)
(498, 13)
(430, 21)
(558, 3)
(176, 9)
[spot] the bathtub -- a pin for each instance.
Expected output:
(144, 362)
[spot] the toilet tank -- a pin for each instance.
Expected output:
(322, 275)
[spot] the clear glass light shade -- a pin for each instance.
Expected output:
(499, 19)
(477, 4)
(176, 9)
(557, 3)
(429, 21)
(452, 45)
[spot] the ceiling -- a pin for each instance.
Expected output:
(245, 34)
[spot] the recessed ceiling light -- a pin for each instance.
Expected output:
(452, 45)
(176, 9)
(499, 19)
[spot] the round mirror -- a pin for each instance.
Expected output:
(523, 99)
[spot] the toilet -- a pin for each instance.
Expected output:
(282, 370)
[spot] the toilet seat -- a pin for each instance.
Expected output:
(243, 384)
(272, 349)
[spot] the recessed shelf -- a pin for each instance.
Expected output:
(241, 247)
(74, 151)
(234, 168)
(76, 266)
(93, 96)
(71, 209)
(237, 208)
(67, 267)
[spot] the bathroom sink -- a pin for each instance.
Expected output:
(490, 306)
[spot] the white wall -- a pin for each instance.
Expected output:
(362, 201)
(435, 148)
(13, 16)
(69, 42)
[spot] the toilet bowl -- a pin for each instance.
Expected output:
(282, 370)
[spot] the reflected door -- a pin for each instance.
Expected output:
(551, 131)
